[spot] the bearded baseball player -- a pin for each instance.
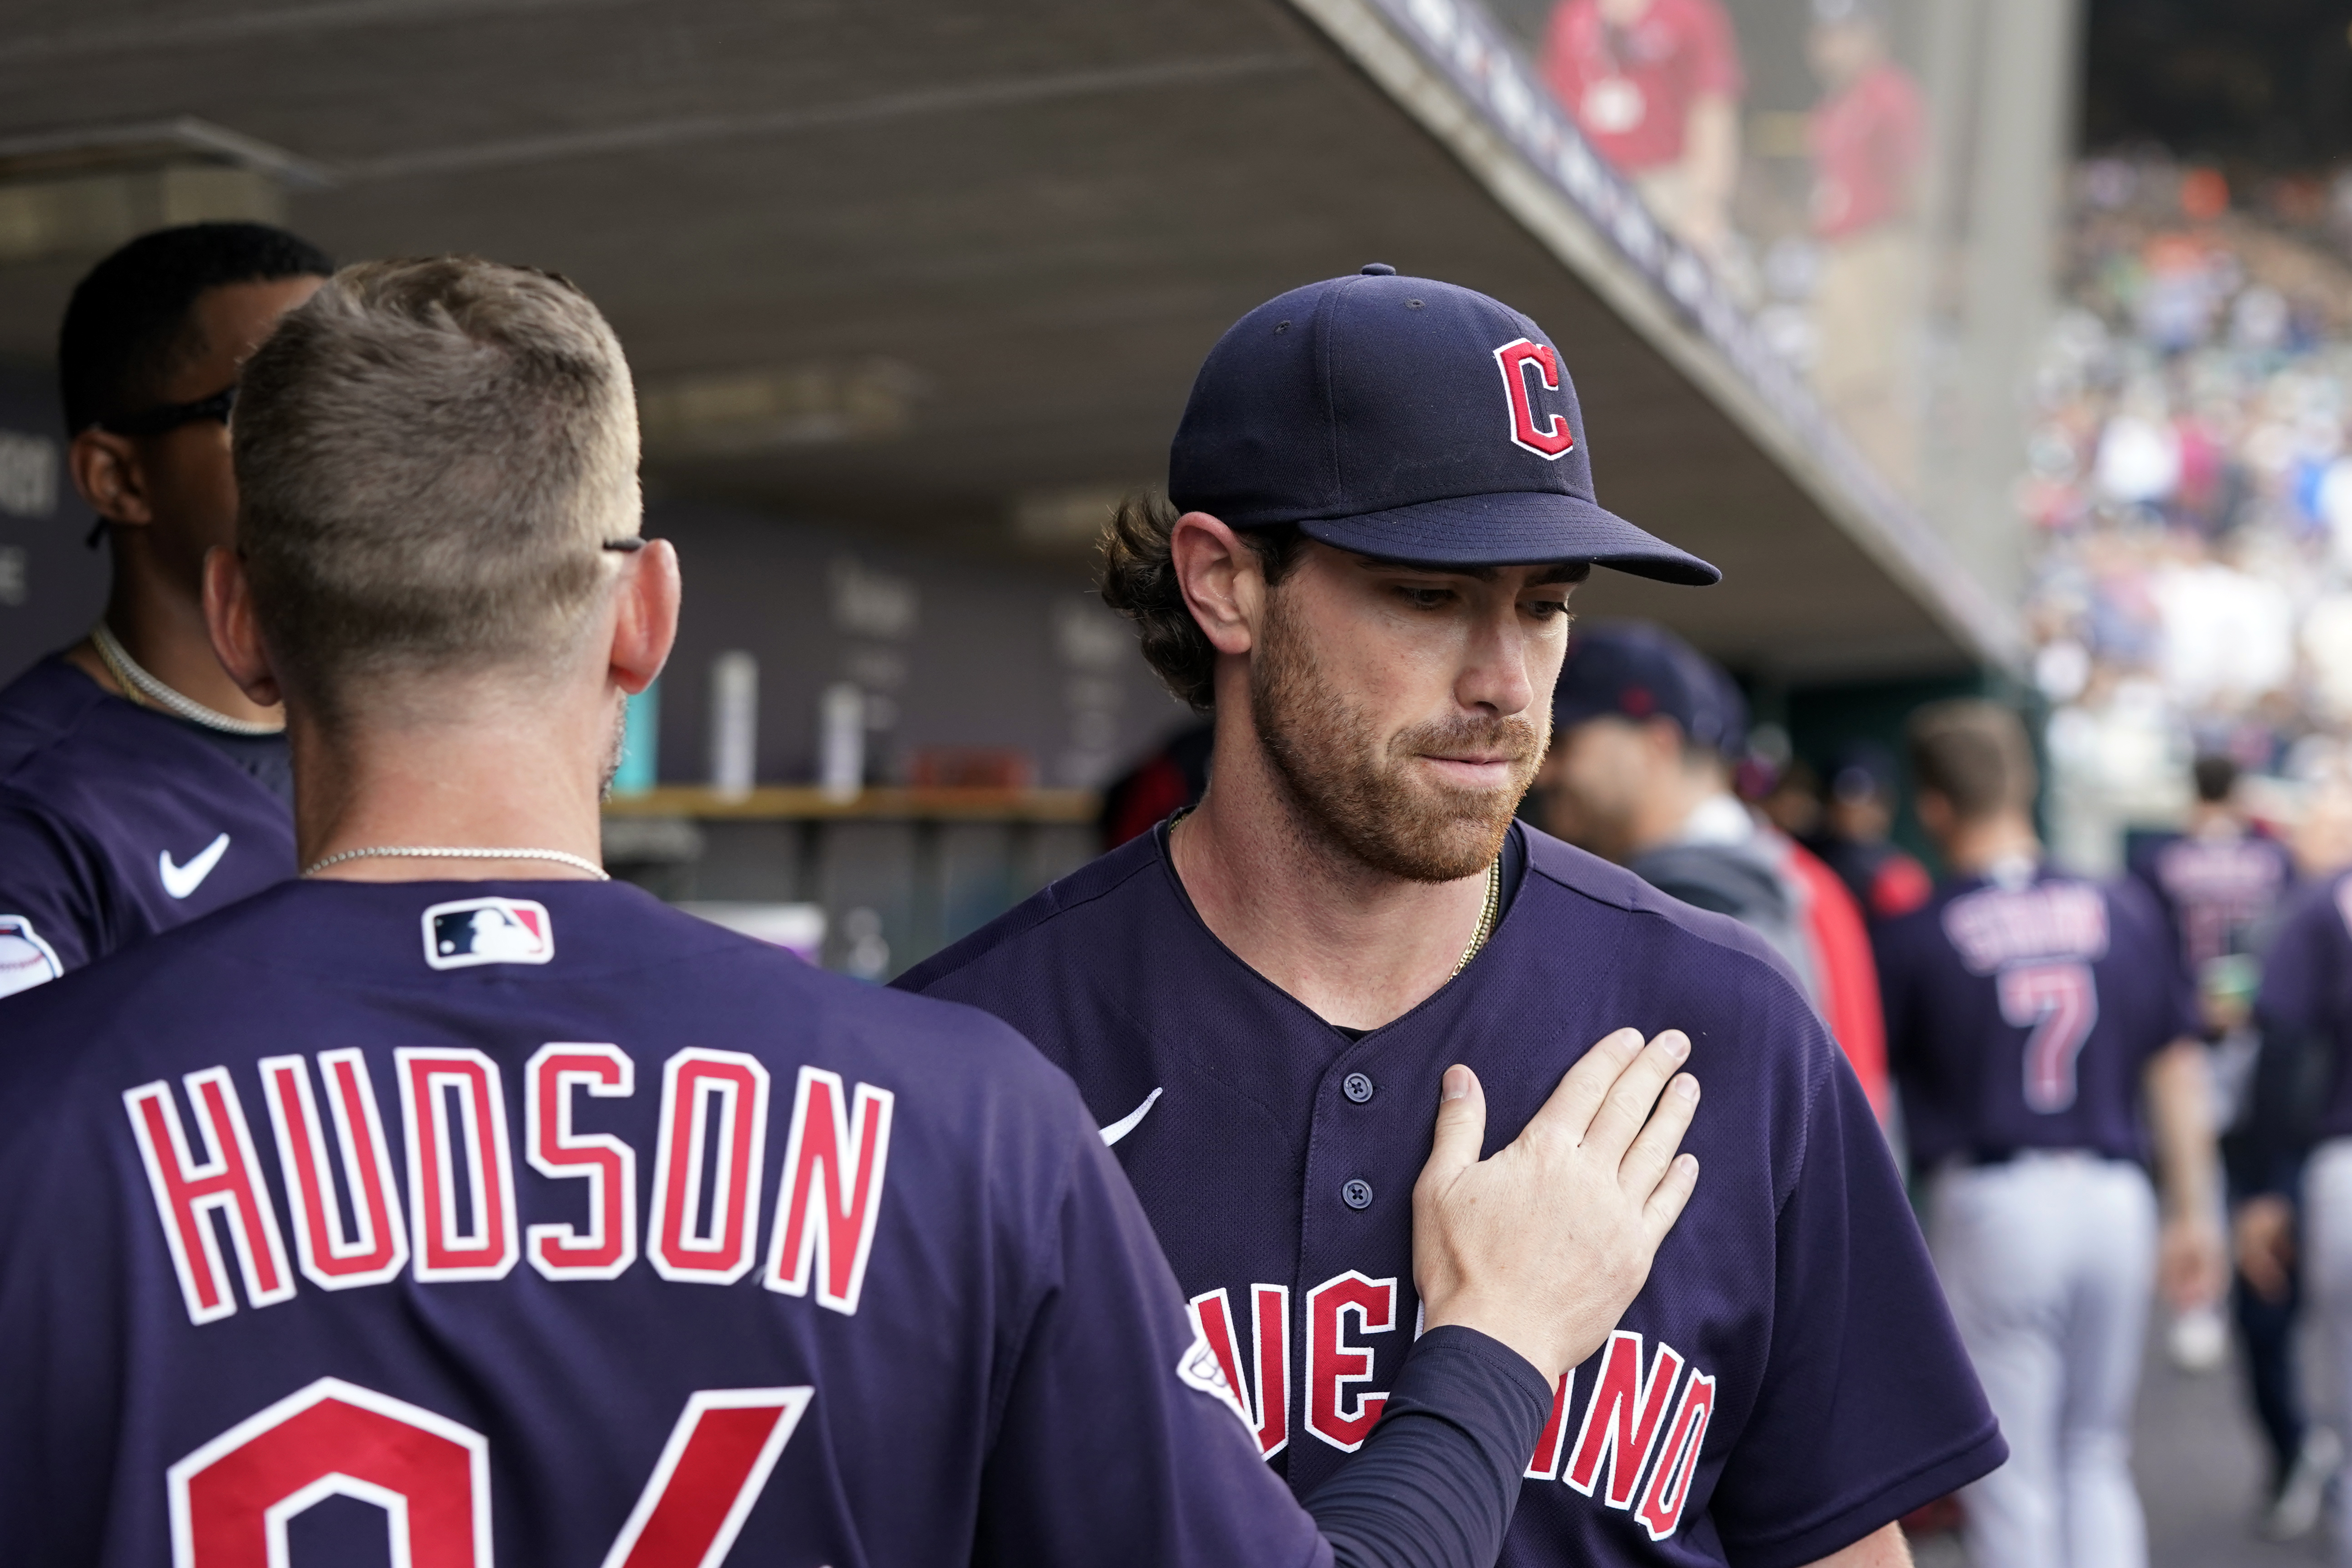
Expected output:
(139, 787)
(2027, 1014)
(454, 1202)
(1380, 502)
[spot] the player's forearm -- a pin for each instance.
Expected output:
(2180, 1096)
(1436, 1483)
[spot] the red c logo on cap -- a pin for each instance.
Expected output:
(1553, 441)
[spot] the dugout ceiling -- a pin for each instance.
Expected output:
(938, 270)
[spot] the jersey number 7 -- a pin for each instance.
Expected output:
(2060, 1002)
(233, 1498)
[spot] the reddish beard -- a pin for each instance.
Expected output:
(1363, 796)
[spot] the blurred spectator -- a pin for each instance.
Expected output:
(1654, 86)
(1645, 729)
(1868, 137)
(2188, 489)
(1853, 838)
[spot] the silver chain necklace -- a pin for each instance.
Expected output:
(446, 852)
(136, 680)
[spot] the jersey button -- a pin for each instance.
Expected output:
(1357, 1193)
(1357, 1087)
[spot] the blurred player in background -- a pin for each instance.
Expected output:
(2220, 883)
(2027, 1012)
(952, 1340)
(1361, 569)
(139, 786)
(1644, 732)
(1654, 85)
(1868, 137)
(1852, 837)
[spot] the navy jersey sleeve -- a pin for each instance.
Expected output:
(49, 882)
(1115, 1443)
(2292, 995)
(1891, 944)
(1119, 1440)
(1872, 1408)
(2142, 930)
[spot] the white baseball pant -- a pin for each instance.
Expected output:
(2049, 1261)
(2328, 1272)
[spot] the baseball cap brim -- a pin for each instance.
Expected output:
(1511, 527)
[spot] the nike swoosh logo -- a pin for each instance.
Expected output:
(181, 880)
(1127, 1124)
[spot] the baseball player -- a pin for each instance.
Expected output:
(1646, 731)
(452, 1202)
(139, 787)
(2027, 1012)
(2220, 885)
(2297, 1151)
(1380, 502)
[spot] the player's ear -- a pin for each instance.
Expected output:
(236, 634)
(645, 622)
(1223, 583)
(106, 472)
(1935, 812)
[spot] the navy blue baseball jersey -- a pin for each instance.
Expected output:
(2217, 893)
(2020, 1012)
(118, 821)
(1788, 1381)
(2308, 988)
(537, 1218)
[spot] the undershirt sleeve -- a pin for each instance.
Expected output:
(1436, 1483)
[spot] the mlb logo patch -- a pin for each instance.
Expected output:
(26, 961)
(488, 930)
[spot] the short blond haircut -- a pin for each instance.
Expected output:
(429, 457)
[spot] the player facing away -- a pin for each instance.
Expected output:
(2027, 1012)
(2298, 1153)
(139, 787)
(454, 1202)
(1381, 500)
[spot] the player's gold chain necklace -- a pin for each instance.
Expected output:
(148, 691)
(1486, 918)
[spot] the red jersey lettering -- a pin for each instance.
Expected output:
(1264, 1399)
(1623, 1420)
(461, 1201)
(372, 1246)
(1545, 1465)
(609, 1167)
(709, 1474)
(1337, 1411)
(231, 1498)
(830, 1190)
(1661, 1513)
(225, 1182)
(714, 1113)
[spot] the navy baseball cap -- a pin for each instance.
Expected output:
(1632, 669)
(1408, 419)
